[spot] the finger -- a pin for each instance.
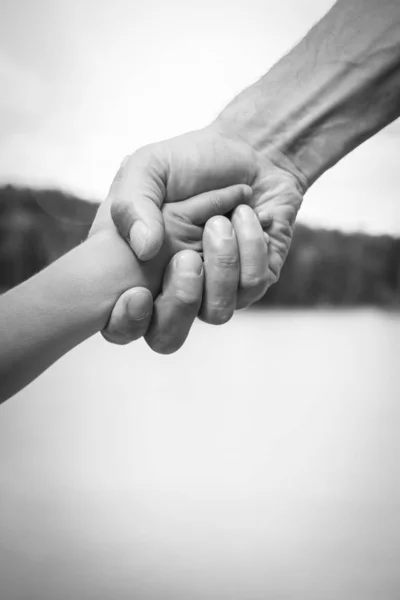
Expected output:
(130, 317)
(253, 252)
(138, 193)
(199, 209)
(177, 306)
(221, 267)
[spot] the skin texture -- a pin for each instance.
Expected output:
(224, 256)
(179, 168)
(170, 322)
(335, 89)
(52, 312)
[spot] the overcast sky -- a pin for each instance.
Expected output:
(83, 83)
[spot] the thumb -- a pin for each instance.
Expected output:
(130, 317)
(137, 195)
(199, 209)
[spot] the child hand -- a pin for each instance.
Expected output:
(184, 226)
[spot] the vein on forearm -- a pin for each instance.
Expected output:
(335, 89)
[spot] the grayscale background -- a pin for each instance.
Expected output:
(262, 460)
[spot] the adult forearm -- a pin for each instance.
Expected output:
(335, 89)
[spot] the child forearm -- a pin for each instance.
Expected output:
(46, 316)
(72, 299)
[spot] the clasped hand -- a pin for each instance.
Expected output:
(197, 270)
(242, 255)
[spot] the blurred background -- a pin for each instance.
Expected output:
(261, 461)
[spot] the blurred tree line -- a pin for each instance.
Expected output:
(36, 227)
(323, 268)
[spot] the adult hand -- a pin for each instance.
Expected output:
(175, 308)
(167, 321)
(178, 304)
(226, 246)
(211, 158)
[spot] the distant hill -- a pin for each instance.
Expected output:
(323, 268)
(327, 267)
(36, 227)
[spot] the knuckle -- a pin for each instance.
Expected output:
(217, 202)
(253, 281)
(142, 152)
(227, 260)
(249, 294)
(275, 271)
(186, 298)
(125, 162)
(150, 154)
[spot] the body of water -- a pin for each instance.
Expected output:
(260, 462)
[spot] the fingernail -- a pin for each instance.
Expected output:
(138, 305)
(138, 237)
(222, 227)
(245, 212)
(188, 262)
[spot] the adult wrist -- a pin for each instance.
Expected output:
(339, 86)
(258, 132)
